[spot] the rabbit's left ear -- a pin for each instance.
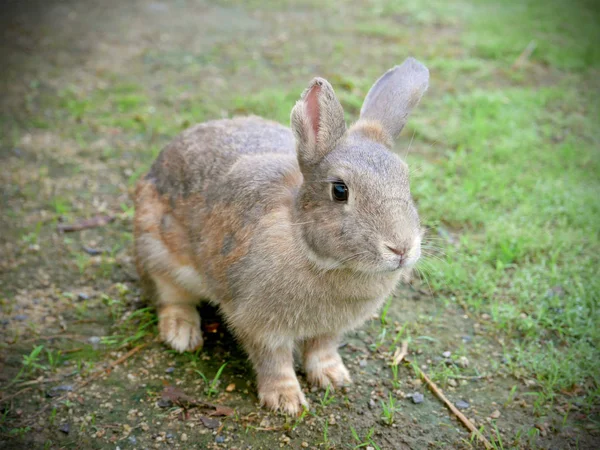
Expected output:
(317, 122)
(391, 99)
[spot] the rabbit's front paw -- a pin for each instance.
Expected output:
(179, 327)
(327, 371)
(286, 397)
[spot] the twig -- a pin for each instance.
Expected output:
(91, 378)
(42, 380)
(39, 381)
(465, 377)
(466, 422)
(54, 336)
(5, 399)
(71, 350)
(400, 353)
(525, 54)
(96, 221)
(112, 365)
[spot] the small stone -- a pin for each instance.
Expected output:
(372, 404)
(447, 354)
(169, 436)
(132, 440)
(170, 370)
(94, 340)
(304, 444)
(230, 388)
(92, 251)
(556, 291)
(20, 317)
(362, 363)
(56, 390)
(463, 362)
(452, 382)
(417, 398)
(486, 316)
(83, 296)
(370, 448)
(210, 423)
(219, 439)
(467, 339)
(65, 428)
(461, 404)
(495, 414)
(163, 403)
(184, 437)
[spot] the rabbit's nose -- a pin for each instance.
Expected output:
(400, 251)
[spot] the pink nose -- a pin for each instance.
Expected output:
(397, 251)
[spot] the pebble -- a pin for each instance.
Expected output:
(467, 339)
(184, 437)
(495, 414)
(447, 354)
(371, 404)
(362, 363)
(55, 391)
(20, 317)
(65, 428)
(132, 440)
(169, 436)
(304, 444)
(170, 370)
(452, 382)
(92, 251)
(230, 388)
(485, 316)
(94, 340)
(417, 398)
(83, 296)
(463, 362)
(219, 439)
(461, 404)
(162, 403)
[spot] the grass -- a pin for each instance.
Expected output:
(389, 409)
(212, 386)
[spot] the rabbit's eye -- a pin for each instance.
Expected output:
(339, 191)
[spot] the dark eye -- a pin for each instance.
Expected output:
(339, 191)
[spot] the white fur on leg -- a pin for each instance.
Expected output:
(325, 368)
(179, 327)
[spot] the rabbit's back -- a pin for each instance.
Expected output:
(200, 157)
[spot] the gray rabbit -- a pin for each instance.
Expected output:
(297, 235)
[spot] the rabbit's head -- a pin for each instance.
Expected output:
(354, 206)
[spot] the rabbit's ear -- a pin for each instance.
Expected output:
(317, 122)
(394, 95)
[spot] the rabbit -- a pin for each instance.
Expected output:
(297, 235)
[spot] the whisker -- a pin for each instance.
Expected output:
(302, 223)
(410, 144)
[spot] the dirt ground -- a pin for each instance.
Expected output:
(145, 70)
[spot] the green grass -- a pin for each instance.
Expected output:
(519, 189)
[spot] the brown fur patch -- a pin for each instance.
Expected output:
(221, 224)
(372, 130)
